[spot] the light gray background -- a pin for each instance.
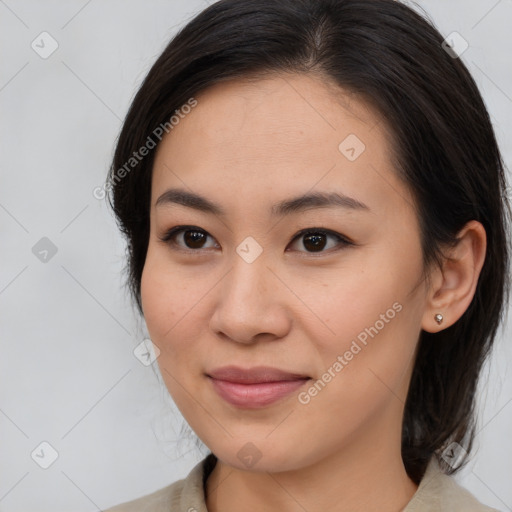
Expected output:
(68, 373)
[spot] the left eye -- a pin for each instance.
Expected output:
(313, 239)
(316, 240)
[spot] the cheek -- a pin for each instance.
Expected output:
(372, 316)
(347, 301)
(168, 305)
(159, 311)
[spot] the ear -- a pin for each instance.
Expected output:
(454, 285)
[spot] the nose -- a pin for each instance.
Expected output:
(251, 303)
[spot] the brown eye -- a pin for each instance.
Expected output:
(187, 237)
(316, 240)
(194, 239)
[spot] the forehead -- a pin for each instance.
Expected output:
(277, 109)
(283, 130)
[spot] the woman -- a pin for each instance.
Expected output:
(314, 204)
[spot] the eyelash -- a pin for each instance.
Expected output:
(169, 236)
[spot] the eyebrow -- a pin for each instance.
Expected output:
(286, 207)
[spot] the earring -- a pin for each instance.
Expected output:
(438, 318)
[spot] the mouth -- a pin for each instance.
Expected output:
(254, 387)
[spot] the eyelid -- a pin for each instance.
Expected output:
(325, 231)
(343, 242)
(168, 236)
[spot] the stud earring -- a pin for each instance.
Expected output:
(438, 318)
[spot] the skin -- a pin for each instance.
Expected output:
(246, 146)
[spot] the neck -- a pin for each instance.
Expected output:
(367, 477)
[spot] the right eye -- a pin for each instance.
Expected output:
(192, 238)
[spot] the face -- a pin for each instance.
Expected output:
(241, 284)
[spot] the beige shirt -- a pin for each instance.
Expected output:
(437, 492)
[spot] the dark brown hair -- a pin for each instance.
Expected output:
(443, 141)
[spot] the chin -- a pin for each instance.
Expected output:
(260, 456)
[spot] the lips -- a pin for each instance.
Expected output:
(254, 387)
(254, 375)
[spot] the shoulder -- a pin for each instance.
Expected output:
(441, 493)
(185, 495)
(158, 501)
